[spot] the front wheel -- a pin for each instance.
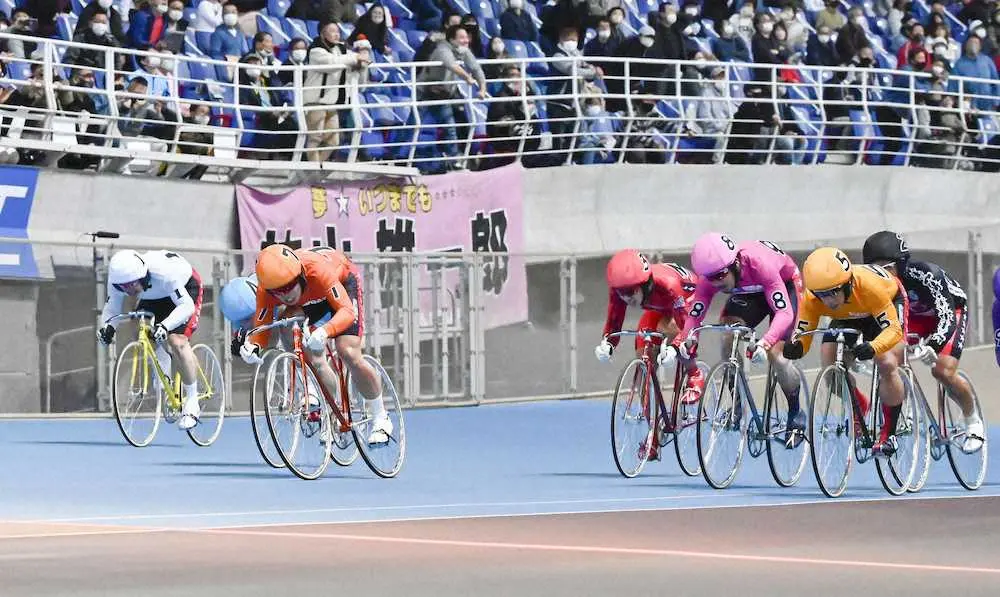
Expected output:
(831, 431)
(723, 421)
(786, 446)
(258, 416)
(968, 463)
(631, 420)
(211, 396)
(385, 459)
(898, 471)
(298, 417)
(136, 395)
(923, 467)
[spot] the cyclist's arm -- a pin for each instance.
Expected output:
(113, 306)
(263, 315)
(344, 313)
(616, 316)
(183, 308)
(933, 290)
(679, 315)
(892, 329)
(808, 320)
(781, 306)
(699, 309)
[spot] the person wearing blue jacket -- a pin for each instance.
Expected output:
(149, 24)
(729, 46)
(975, 64)
(227, 39)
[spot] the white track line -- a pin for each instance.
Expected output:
(615, 551)
(56, 535)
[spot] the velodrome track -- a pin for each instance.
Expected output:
(519, 499)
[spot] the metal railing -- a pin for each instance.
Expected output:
(50, 374)
(394, 121)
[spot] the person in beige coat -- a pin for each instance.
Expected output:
(331, 88)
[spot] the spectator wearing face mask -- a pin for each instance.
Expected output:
(593, 10)
(853, 36)
(915, 40)
(821, 50)
(974, 63)
(692, 9)
(507, 123)
(98, 35)
(331, 88)
(797, 36)
(20, 25)
(941, 76)
(780, 34)
(709, 115)
(596, 140)
(766, 48)
(149, 72)
(647, 78)
(227, 39)
(687, 29)
(148, 24)
(978, 29)
(831, 16)
(516, 23)
(298, 50)
(136, 113)
(942, 44)
(939, 128)
(79, 97)
(669, 40)
(176, 26)
(263, 50)
(274, 128)
(561, 108)
(744, 21)
(114, 19)
(601, 45)
(373, 26)
(209, 16)
(616, 16)
(729, 47)
(497, 51)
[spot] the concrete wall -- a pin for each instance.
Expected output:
(603, 208)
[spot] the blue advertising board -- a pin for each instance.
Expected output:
(17, 193)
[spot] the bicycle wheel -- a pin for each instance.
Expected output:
(137, 399)
(686, 430)
(786, 463)
(723, 420)
(385, 459)
(258, 418)
(631, 423)
(923, 467)
(831, 431)
(897, 472)
(211, 397)
(298, 417)
(969, 467)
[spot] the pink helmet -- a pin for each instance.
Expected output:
(712, 253)
(627, 268)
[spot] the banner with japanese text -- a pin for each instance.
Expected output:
(459, 211)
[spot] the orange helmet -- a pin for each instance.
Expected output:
(277, 267)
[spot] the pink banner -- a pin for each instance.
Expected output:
(460, 211)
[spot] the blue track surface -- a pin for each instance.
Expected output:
(526, 459)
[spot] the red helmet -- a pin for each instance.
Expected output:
(627, 269)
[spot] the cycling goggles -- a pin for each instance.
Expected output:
(283, 290)
(719, 275)
(127, 286)
(822, 294)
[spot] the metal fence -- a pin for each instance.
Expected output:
(440, 355)
(532, 110)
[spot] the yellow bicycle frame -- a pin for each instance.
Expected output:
(173, 390)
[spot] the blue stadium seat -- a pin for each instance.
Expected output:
(19, 70)
(490, 26)
(398, 9)
(460, 6)
(278, 8)
(77, 6)
(416, 38)
(401, 49)
(273, 26)
(296, 28)
(191, 44)
(203, 39)
(536, 68)
(7, 7)
(65, 24)
(647, 6)
(988, 129)
(190, 14)
(406, 25)
(346, 29)
(482, 9)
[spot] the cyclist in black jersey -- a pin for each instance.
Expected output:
(938, 312)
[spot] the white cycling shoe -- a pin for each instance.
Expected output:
(975, 432)
(189, 414)
(381, 430)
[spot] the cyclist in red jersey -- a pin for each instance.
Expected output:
(664, 291)
(324, 285)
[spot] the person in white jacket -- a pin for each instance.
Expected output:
(331, 87)
(209, 16)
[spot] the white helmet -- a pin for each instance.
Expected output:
(125, 267)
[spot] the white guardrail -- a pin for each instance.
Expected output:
(533, 110)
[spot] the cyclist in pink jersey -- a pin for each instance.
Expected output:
(762, 281)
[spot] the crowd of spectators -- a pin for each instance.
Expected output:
(585, 115)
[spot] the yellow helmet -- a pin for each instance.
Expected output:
(826, 268)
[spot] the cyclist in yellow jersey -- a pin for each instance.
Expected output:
(866, 298)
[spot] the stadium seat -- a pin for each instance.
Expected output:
(482, 9)
(278, 8)
(273, 26)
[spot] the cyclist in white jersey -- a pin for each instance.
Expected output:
(167, 286)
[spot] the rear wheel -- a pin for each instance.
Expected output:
(211, 397)
(969, 465)
(384, 459)
(898, 471)
(686, 428)
(787, 451)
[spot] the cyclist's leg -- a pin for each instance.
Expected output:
(945, 370)
(159, 308)
(788, 378)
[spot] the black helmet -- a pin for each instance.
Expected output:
(886, 246)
